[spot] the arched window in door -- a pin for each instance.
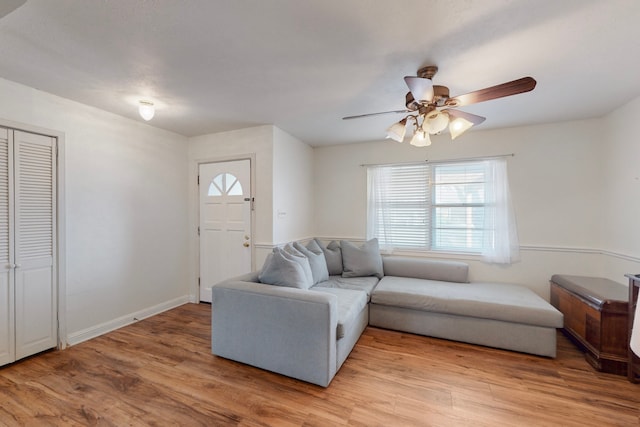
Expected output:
(225, 184)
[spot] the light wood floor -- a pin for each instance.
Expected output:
(159, 371)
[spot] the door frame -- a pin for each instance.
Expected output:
(61, 248)
(195, 167)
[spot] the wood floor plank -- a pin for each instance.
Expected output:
(160, 371)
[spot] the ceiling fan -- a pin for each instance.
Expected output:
(431, 109)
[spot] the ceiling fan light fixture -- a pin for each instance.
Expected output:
(432, 109)
(397, 130)
(458, 126)
(437, 121)
(146, 110)
(420, 139)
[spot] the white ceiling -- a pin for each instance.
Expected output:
(216, 65)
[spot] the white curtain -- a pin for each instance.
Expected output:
(378, 207)
(500, 244)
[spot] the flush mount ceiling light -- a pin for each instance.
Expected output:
(146, 110)
(431, 110)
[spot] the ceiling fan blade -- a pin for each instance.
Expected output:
(9, 6)
(476, 120)
(421, 88)
(515, 87)
(375, 114)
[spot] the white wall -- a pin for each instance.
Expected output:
(126, 210)
(621, 179)
(292, 188)
(131, 199)
(556, 183)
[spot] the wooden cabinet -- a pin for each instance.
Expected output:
(597, 324)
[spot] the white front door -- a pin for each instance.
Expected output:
(225, 222)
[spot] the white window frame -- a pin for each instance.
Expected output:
(475, 229)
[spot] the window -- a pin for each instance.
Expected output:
(458, 206)
(454, 206)
(225, 183)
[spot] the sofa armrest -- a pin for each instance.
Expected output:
(247, 277)
(285, 330)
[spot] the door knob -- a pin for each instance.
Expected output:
(246, 244)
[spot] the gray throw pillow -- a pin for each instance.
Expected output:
(316, 261)
(314, 247)
(361, 261)
(295, 255)
(279, 270)
(333, 256)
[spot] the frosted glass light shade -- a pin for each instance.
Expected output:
(146, 110)
(458, 126)
(397, 130)
(420, 139)
(437, 121)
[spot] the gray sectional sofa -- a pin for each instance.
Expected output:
(307, 331)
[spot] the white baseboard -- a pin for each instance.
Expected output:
(112, 325)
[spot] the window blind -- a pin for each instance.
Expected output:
(399, 205)
(438, 206)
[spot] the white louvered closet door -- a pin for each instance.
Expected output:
(28, 286)
(35, 237)
(7, 323)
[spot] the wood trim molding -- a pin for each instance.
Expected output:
(581, 251)
(525, 248)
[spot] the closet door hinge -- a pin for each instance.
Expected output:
(198, 230)
(198, 179)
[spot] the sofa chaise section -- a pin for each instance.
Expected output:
(420, 301)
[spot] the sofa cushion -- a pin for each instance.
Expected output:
(361, 261)
(350, 304)
(422, 268)
(498, 301)
(333, 256)
(281, 269)
(366, 284)
(317, 261)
